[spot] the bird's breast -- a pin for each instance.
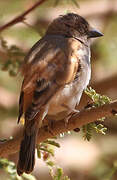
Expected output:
(71, 93)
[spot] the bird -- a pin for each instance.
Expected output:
(56, 70)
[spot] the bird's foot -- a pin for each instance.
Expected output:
(72, 113)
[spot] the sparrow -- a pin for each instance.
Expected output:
(56, 70)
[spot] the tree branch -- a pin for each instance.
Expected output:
(76, 121)
(21, 17)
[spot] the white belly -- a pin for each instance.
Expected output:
(70, 95)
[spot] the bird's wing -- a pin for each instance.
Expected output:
(50, 65)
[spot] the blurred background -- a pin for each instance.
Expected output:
(80, 160)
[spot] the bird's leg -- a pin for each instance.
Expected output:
(71, 112)
(69, 116)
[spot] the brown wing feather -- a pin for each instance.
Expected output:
(44, 77)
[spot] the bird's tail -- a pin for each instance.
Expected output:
(27, 152)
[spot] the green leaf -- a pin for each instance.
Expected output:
(15, 56)
(100, 129)
(54, 143)
(98, 99)
(58, 174)
(87, 131)
(50, 163)
(51, 151)
(38, 153)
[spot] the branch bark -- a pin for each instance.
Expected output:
(21, 17)
(76, 121)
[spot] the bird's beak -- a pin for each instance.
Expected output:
(93, 33)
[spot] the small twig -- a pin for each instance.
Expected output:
(21, 17)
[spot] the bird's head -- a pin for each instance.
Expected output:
(73, 25)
